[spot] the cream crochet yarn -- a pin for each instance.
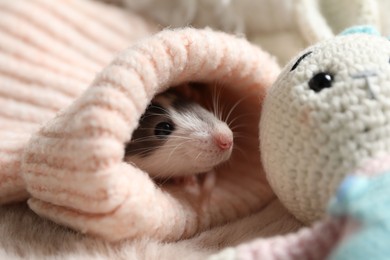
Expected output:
(316, 128)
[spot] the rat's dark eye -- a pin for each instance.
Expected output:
(163, 129)
(320, 81)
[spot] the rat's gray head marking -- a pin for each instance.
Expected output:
(177, 136)
(328, 112)
(153, 130)
(155, 125)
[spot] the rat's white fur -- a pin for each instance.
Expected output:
(191, 148)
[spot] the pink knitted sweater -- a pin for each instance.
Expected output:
(49, 54)
(70, 102)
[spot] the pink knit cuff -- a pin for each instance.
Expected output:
(72, 167)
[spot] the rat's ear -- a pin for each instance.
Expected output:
(367, 29)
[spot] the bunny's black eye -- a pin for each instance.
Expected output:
(163, 129)
(320, 81)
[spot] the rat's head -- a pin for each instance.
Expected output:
(177, 136)
(328, 112)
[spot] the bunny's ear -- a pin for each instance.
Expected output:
(367, 29)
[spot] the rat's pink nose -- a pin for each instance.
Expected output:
(223, 141)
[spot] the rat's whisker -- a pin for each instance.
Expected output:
(246, 138)
(214, 98)
(238, 127)
(221, 107)
(240, 135)
(167, 152)
(182, 137)
(168, 116)
(143, 151)
(234, 107)
(152, 138)
(169, 157)
(159, 108)
(197, 157)
(230, 123)
(240, 150)
(160, 183)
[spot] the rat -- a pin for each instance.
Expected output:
(179, 139)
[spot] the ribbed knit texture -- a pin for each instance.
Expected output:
(72, 167)
(85, 143)
(60, 56)
(46, 60)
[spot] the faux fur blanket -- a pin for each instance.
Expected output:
(70, 102)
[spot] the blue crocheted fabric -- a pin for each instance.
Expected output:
(367, 201)
(361, 29)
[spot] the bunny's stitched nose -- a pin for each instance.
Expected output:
(366, 75)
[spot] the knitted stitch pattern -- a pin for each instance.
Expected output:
(72, 167)
(315, 130)
(48, 57)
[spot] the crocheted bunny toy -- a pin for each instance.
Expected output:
(364, 201)
(327, 113)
